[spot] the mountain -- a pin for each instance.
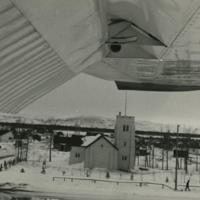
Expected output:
(103, 122)
(95, 121)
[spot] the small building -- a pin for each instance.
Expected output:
(6, 137)
(101, 151)
(64, 143)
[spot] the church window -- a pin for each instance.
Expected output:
(124, 128)
(101, 145)
(125, 143)
(77, 155)
(124, 158)
(127, 127)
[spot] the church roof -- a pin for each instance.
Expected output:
(92, 139)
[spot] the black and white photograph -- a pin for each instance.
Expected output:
(99, 99)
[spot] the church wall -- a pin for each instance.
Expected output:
(101, 154)
(77, 155)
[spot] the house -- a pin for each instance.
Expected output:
(64, 143)
(101, 151)
(6, 136)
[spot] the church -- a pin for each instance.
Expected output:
(101, 151)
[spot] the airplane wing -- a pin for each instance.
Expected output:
(43, 44)
(164, 53)
(139, 44)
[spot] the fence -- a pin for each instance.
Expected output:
(191, 186)
(112, 181)
(6, 156)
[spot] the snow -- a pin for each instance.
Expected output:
(7, 149)
(89, 139)
(34, 180)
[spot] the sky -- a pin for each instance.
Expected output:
(89, 96)
(85, 95)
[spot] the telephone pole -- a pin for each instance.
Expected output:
(125, 108)
(176, 165)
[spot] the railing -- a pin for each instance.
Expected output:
(191, 186)
(141, 183)
(7, 156)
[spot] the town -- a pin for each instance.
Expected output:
(122, 155)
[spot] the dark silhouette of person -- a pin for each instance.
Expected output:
(63, 173)
(187, 187)
(13, 162)
(5, 165)
(43, 171)
(22, 170)
(44, 164)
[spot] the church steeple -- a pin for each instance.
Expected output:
(125, 141)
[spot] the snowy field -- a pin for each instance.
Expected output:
(34, 180)
(6, 149)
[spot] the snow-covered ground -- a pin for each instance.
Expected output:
(7, 149)
(34, 180)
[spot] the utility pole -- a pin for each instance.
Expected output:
(176, 166)
(162, 142)
(18, 145)
(153, 156)
(27, 145)
(167, 158)
(125, 108)
(50, 144)
(163, 158)
(197, 160)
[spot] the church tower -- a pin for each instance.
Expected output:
(125, 141)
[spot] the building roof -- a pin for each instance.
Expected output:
(90, 140)
(4, 132)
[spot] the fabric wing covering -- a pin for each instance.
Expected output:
(45, 43)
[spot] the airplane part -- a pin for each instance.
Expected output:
(139, 44)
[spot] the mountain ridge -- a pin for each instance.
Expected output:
(94, 121)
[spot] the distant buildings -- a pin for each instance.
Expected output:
(104, 152)
(64, 143)
(6, 136)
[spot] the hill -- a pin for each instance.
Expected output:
(95, 121)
